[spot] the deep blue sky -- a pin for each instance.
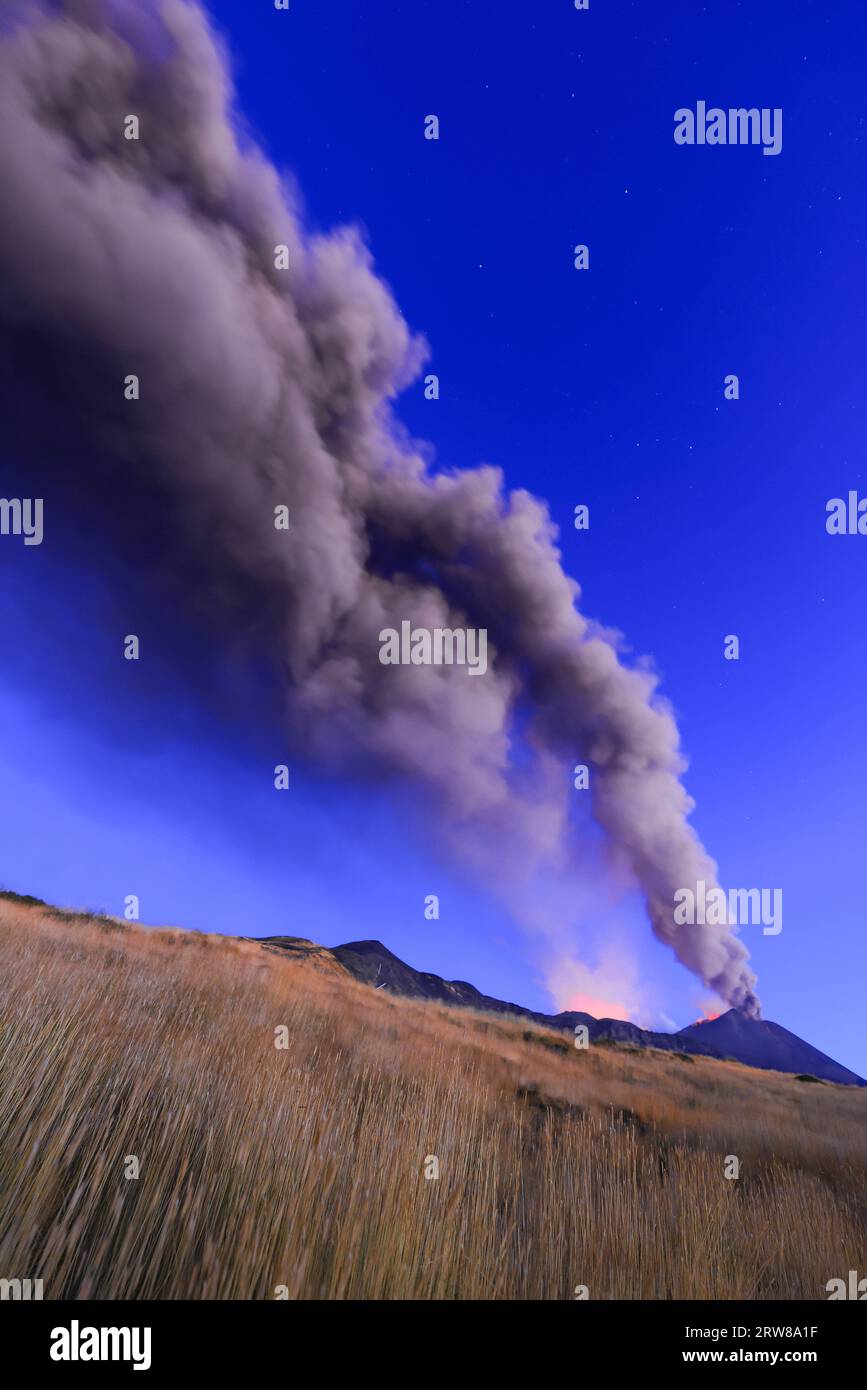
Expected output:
(605, 387)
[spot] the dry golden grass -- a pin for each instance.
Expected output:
(305, 1167)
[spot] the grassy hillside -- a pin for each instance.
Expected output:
(304, 1167)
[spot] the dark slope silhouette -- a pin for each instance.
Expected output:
(755, 1042)
(760, 1043)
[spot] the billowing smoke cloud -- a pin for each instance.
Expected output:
(263, 387)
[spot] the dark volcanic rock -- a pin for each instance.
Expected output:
(755, 1042)
(760, 1043)
(373, 963)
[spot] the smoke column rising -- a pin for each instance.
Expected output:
(263, 387)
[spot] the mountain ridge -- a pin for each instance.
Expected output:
(731, 1036)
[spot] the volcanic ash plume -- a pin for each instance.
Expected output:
(264, 387)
